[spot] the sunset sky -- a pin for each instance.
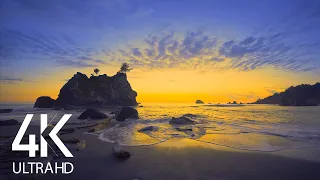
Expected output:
(213, 50)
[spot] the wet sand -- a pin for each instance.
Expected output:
(174, 159)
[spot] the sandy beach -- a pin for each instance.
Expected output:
(173, 159)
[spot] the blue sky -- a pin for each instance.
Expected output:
(37, 35)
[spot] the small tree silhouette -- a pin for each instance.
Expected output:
(96, 71)
(125, 67)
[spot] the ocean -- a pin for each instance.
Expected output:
(264, 128)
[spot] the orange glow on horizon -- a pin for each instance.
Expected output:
(172, 85)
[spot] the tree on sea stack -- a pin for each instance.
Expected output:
(96, 71)
(125, 67)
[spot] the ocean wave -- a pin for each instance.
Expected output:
(224, 105)
(237, 128)
(172, 134)
(127, 134)
(257, 149)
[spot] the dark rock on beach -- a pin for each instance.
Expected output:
(92, 114)
(148, 128)
(122, 155)
(184, 129)
(199, 102)
(181, 121)
(126, 112)
(44, 102)
(119, 152)
(97, 91)
(10, 122)
(5, 110)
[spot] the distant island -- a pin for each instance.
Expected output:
(234, 102)
(98, 90)
(198, 101)
(301, 95)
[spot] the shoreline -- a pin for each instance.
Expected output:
(175, 159)
(168, 160)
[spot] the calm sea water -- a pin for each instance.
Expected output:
(248, 127)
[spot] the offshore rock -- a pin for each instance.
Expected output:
(97, 91)
(181, 121)
(126, 112)
(44, 102)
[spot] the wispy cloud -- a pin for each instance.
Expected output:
(9, 80)
(16, 45)
(70, 63)
(4, 79)
(197, 50)
(70, 34)
(168, 51)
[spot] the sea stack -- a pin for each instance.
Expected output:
(199, 102)
(99, 90)
(44, 102)
(96, 91)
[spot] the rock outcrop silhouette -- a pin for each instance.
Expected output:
(301, 95)
(199, 101)
(96, 91)
(126, 112)
(44, 102)
(99, 90)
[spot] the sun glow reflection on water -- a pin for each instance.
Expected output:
(266, 128)
(263, 128)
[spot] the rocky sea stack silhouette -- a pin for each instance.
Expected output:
(44, 102)
(96, 91)
(199, 101)
(301, 95)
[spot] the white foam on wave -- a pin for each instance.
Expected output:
(266, 140)
(267, 128)
(123, 134)
(265, 149)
